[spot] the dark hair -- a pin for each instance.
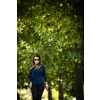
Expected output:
(34, 62)
(39, 59)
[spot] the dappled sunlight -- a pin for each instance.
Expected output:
(23, 92)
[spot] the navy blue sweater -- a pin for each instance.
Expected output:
(36, 75)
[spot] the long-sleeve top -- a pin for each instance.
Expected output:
(36, 75)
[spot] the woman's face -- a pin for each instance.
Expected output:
(36, 60)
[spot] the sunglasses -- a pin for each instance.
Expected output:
(36, 59)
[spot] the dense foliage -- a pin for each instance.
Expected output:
(55, 31)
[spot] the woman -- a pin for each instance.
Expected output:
(36, 72)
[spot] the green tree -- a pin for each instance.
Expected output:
(54, 29)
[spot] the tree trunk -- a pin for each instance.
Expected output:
(60, 88)
(18, 97)
(49, 92)
(78, 82)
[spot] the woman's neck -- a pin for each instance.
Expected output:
(37, 65)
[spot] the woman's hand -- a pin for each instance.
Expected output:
(46, 86)
(30, 85)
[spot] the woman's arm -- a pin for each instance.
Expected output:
(45, 78)
(44, 74)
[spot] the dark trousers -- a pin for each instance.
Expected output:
(37, 91)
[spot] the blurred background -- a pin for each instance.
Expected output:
(54, 29)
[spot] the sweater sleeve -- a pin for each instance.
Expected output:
(44, 73)
(30, 74)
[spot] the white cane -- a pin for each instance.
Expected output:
(28, 94)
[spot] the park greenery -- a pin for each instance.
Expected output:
(54, 29)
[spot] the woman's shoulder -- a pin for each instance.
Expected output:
(30, 66)
(42, 65)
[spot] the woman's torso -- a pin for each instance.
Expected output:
(37, 75)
